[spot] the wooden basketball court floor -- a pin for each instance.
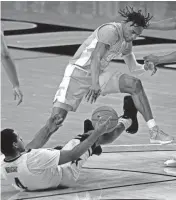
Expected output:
(130, 168)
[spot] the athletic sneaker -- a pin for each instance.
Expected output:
(157, 136)
(171, 163)
(130, 111)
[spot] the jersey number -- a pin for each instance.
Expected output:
(19, 184)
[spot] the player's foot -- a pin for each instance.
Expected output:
(170, 163)
(96, 150)
(130, 111)
(157, 136)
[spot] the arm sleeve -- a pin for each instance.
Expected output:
(133, 66)
(42, 159)
(107, 34)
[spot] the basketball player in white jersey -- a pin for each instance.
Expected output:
(10, 69)
(88, 73)
(34, 168)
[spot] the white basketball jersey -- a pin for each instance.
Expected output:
(110, 33)
(37, 169)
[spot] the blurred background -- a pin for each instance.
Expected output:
(86, 14)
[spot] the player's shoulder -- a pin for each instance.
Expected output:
(109, 28)
(108, 33)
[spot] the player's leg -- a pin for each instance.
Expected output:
(71, 170)
(72, 89)
(109, 82)
(133, 86)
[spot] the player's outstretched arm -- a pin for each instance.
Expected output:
(95, 89)
(79, 150)
(135, 67)
(169, 58)
(165, 25)
(10, 69)
(41, 137)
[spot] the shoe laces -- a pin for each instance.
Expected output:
(158, 131)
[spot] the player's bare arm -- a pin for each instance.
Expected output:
(135, 67)
(68, 156)
(10, 69)
(43, 135)
(97, 55)
(165, 25)
(169, 58)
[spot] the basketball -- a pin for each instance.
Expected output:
(105, 112)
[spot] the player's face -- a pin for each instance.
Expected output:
(132, 32)
(19, 144)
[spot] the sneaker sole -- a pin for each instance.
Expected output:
(160, 142)
(170, 163)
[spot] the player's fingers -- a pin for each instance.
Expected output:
(20, 96)
(108, 120)
(93, 97)
(14, 95)
(97, 97)
(89, 95)
(20, 100)
(59, 121)
(154, 71)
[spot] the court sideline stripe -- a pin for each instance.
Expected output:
(103, 188)
(128, 170)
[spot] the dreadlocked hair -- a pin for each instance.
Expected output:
(138, 18)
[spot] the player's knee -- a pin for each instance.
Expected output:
(130, 84)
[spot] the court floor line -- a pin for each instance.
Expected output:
(103, 188)
(134, 151)
(36, 57)
(128, 170)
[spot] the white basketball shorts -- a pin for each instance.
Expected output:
(76, 82)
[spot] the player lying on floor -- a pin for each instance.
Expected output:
(33, 167)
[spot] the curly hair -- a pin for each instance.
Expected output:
(138, 18)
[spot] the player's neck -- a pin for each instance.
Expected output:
(13, 157)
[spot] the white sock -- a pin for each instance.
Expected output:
(151, 123)
(126, 122)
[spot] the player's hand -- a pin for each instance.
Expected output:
(54, 123)
(101, 128)
(18, 95)
(152, 58)
(93, 93)
(148, 65)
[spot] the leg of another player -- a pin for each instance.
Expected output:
(133, 86)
